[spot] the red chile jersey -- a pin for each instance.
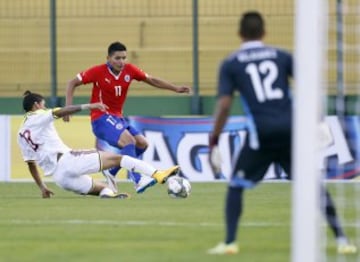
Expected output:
(109, 88)
(261, 75)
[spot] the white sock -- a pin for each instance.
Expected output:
(342, 241)
(106, 191)
(133, 164)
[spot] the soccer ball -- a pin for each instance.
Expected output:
(178, 187)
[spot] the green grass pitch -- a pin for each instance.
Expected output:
(147, 227)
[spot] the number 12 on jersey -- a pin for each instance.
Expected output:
(264, 86)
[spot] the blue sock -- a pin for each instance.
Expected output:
(113, 171)
(233, 210)
(139, 151)
(129, 150)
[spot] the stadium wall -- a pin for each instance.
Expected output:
(184, 141)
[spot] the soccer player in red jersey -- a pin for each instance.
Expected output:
(111, 82)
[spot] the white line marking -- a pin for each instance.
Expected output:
(133, 223)
(149, 223)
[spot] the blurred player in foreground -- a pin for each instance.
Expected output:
(41, 145)
(261, 75)
(111, 82)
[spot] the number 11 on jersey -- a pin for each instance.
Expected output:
(117, 90)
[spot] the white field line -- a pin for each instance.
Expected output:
(131, 223)
(150, 223)
(147, 223)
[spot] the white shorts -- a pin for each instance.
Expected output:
(73, 169)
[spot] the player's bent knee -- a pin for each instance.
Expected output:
(141, 142)
(126, 138)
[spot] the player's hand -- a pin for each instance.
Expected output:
(66, 118)
(215, 161)
(46, 193)
(183, 89)
(215, 156)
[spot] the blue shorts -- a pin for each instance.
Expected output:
(110, 128)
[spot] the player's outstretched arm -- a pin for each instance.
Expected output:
(70, 89)
(162, 84)
(45, 192)
(71, 109)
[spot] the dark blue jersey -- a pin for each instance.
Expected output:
(261, 75)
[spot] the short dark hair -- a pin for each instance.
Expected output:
(116, 46)
(252, 25)
(30, 99)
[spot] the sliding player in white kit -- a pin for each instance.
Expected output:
(41, 145)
